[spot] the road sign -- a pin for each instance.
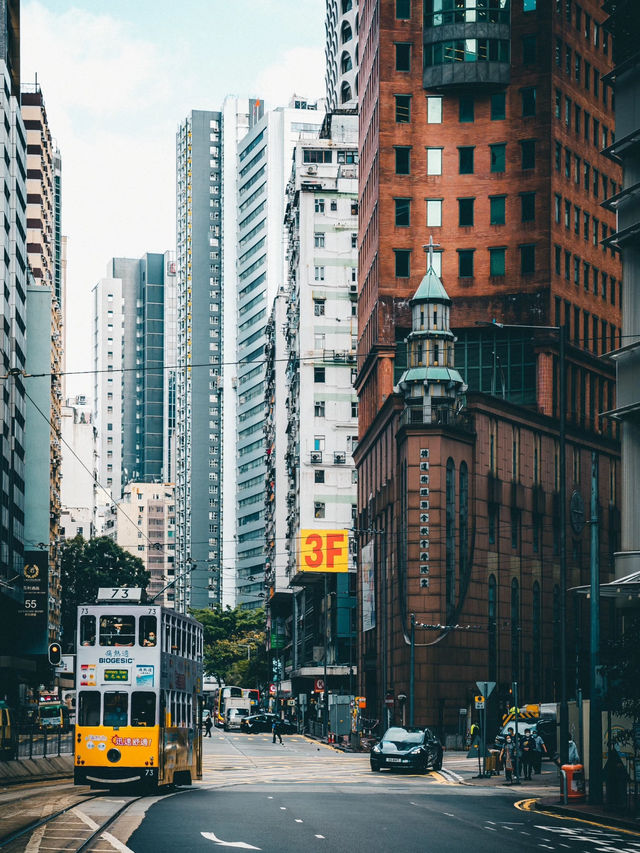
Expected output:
(486, 688)
(318, 685)
(480, 702)
(272, 690)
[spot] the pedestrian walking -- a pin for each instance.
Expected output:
(276, 729)
(474, 731)
(508, 757)
(208, 726)
(528, 751)
(540, 748)
(573, 755)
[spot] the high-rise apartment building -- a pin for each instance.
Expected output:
(132, 395)
(79, 469)
(44, 235)
(199, 360)
(481, 126)
(264, 164)
(341, 53)
(321, 430)
(144, 523)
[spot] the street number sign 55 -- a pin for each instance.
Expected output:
(323, 551)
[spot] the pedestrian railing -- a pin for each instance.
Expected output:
(35, 743)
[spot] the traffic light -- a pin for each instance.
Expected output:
(55, 654)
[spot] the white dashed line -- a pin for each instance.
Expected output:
(283, 808)
(319, 836)
(491, 828)
(298, 820)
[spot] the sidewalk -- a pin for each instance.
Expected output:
(36, 770)
(589, 812)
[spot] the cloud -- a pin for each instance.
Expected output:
(304, 65)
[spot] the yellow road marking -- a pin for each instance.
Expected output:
(529, 805)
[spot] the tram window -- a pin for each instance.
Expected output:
(143, 709)
(89, 708)
(116, 706)
(88, 630)
(147, 631)
(117, 630)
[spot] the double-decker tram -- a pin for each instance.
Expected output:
(139, 693)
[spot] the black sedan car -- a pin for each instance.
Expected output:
(263, 722)
(407, 749)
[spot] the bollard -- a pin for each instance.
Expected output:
(574, 785)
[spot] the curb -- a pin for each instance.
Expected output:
(36, 770)
(612, 820)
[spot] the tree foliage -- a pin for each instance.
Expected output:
(86, 566)
(227, 634)
(621, 669)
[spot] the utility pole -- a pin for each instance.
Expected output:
(595, 705)
(564, 709)
(325, 695)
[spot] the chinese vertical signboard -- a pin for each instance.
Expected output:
(35, 582)
(368, 587)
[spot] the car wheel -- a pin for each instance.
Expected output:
(437, 764)
(375, 768)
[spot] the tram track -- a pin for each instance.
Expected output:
(31, 826)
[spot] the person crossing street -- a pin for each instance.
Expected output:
(276, 729)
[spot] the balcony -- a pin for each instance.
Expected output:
(315, 457)
(339, 458)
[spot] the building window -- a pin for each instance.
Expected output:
(434, 110)
(528, 207)
(497, 210)
(515, 630)
(403, 57)
(318, 475)
(403, 160)
(403, 212)
(492, 614)
(403, 10)
(529, 50)
(318, 307)
(318, 442)
(528, 150)
(498, 106)
(527, 259)
(318, 205)
(528, 5)
(465, 212)
(537, 639)
(319, 409)
(497, 261)
(354, 408)
(319, 273)
(403, 109)
(466, 108)
(465, 160)
(402, 263)
(318, 241)
(318, 374)
(498, 157)
(434, 161)
(528, 101)
(434, 212)
(465, 263)
(318, 509)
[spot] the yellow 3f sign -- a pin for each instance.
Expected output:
(323, 551)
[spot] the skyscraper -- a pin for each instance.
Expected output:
(199, 360)
(341, 53)
(264, 163)
(132, 415)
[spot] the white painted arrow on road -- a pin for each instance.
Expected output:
(241, 844)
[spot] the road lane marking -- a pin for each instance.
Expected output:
(211, 836)
(283, 808)
(298, 820)
(319, 836)
(529, 805)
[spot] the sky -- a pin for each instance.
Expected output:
(117, 80)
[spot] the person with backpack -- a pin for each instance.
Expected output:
(208, 724)
(528, 754)
(540, 748)
(276, 729)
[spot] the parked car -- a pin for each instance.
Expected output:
(412, 749)
(263, 722)
(546, 729)
(234, 718)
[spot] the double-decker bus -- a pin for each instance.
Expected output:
(139, 693)
(52, 713)
(234, 697)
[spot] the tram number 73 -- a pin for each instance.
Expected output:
(323, 551)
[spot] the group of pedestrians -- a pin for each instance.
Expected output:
(525, 756)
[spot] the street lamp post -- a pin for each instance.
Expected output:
(562, 488)
(325, 703)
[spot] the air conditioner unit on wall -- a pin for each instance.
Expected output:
(312, 170)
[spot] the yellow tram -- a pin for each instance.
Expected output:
(139, 693)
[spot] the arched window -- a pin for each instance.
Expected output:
(346, 5)
(515, 630)
(493, 628)
(463, 521)
(345, 32)
(450, 516)
(345, 62)
(345, 93)
(537, 647)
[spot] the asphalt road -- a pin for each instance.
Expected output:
(256, 795)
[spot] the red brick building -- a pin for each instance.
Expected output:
(481, 124)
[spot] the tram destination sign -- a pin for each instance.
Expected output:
(119, 593)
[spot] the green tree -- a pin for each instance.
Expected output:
(227, 634)
(87, 565)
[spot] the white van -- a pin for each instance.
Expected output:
(233, 718)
